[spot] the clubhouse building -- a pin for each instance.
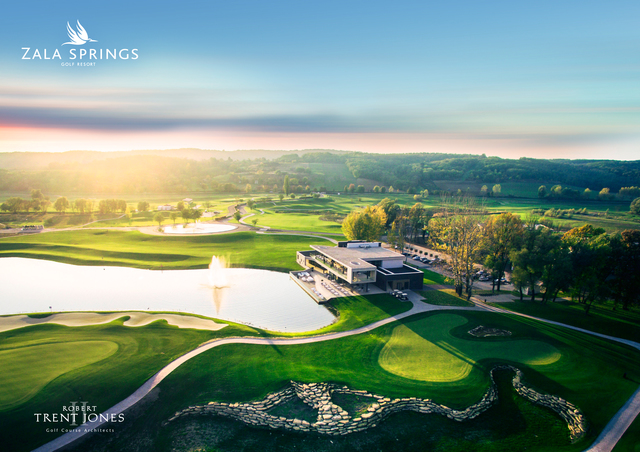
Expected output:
(359, 264)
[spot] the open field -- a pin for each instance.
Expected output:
(134, 249)
(566, 364)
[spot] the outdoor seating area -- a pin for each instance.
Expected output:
(336, 289)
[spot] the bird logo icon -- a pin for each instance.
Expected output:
(78, 37)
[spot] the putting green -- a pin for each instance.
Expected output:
(26, 370)
(425, 350)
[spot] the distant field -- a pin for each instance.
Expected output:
(134, 249)
(304, 214)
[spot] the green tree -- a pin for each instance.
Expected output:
(247, 188)
(502, 235)
(44, 204)
(590, 252)
(416, 219)
(14, 204)
(237, 215)
(605, 194)
(61, 204)
(496, 190)
(634, 208)
(542, 192)
(626, 266)
(36, 194)
(484, 190)
(458, 232)
(251, 204)
(285, 186)
(80, 205)
(281, 196)
(391, 210)
(159, 218)
(367, 224)
(143, 206)
(195, 214)
(174, 216)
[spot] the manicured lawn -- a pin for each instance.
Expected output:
(424, 349)
(134, 249)
(358, 311)
(45, 367)
(601, 319)
(297, 221)
(446, 297)
(585, 370)
(19, 382)
(431, 277)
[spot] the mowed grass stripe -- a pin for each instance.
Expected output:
(425, 350)
(26, 370)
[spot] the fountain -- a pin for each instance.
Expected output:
(218, 280)
(260, 298)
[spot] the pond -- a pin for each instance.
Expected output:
(259, 298)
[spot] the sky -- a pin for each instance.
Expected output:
(543, 79)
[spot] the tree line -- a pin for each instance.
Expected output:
(584, 262)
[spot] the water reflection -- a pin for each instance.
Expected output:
(259, 298)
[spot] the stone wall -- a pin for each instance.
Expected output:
(334, 420)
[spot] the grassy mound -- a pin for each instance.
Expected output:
(19, 382)
(425, 350)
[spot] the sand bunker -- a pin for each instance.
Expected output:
(92, 318)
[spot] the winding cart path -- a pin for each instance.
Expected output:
(604, 443)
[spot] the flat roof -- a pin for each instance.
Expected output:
(356, 258)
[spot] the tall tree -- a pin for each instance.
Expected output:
(457, 230)
(61, 204)
(159, 218)
(367, 224)
(391, 209)
(285, 186)
(542, 191)
(502, 234)
(626, 266)
(590, 252)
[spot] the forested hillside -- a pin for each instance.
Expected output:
(311, 170)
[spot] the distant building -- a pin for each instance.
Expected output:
(362, 263)
(166, 207)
